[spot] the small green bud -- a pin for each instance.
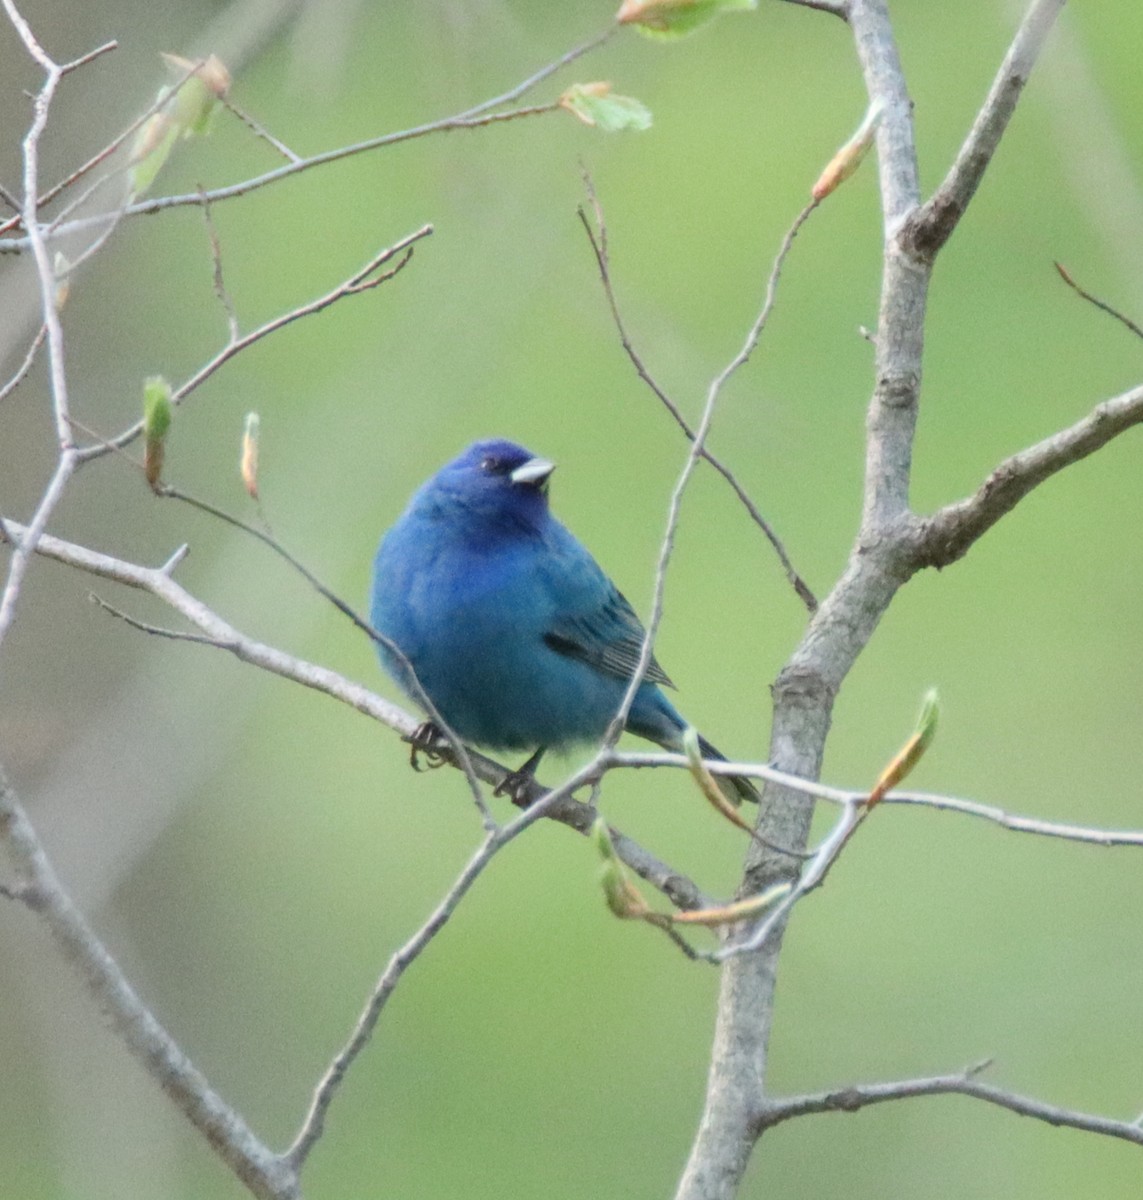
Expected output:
(157, 413)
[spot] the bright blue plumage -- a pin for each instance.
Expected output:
(513, 630)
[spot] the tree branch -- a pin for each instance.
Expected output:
(964, 1083)
(45, 276)
(157, 581)
(266, 1174)
(932, 225)
(843, 796)
(948, 534)
(472, 118)
(598, 240)
(314, 1123)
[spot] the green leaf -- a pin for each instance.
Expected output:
(667, 19)
(185, 110)
(597, 105)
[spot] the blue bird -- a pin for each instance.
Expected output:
(511, 627)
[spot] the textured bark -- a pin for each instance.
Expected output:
(891, 546)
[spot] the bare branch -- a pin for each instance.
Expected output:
(473, 118)
(964, 1083)
(949, 533)
(331, 1082)
(361, 281)
(559, 805)
(222, 295)
(932, 225)
(266, 1174)
(698, 441)
(45, 275)
(26, 365)
(459, 752)
(845, 797)
(90, 56)
(599, 247)
(259, 130)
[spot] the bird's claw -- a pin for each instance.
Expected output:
(423, 740)
(517, 785)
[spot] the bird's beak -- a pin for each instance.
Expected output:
(535, 472)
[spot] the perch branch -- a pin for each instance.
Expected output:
(157, 581)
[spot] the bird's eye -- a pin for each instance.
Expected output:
(491, 464)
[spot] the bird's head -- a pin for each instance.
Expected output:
(493, 481)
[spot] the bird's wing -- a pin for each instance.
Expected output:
(608, 636)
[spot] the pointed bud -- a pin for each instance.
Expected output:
(727, 914)
(249, 464)
(911, 753)
(184, 110)
(156, 422)
(211, 71)
(707, 783)
(622, 898)
(61, 266)
(848, 158)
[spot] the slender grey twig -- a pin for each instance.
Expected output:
(598, 239)
(361, 281)
(963, 1083)
(472, 118)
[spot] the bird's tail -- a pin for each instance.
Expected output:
(735, 788)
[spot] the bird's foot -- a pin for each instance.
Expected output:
(517, 785)
(424, 740)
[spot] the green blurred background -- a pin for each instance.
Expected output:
(253, 853)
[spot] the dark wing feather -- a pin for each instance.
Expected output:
(610, 638)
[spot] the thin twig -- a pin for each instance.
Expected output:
(477, 116)
(220, 291)
(259, 130)
(361, 281)
(1102, 305)
(90, 56)
(158, 582)
(314, 1123)
(844, 797)
(26, 365)
(697, 443)
(602, 258)
(174, 635)
(963, 1083)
